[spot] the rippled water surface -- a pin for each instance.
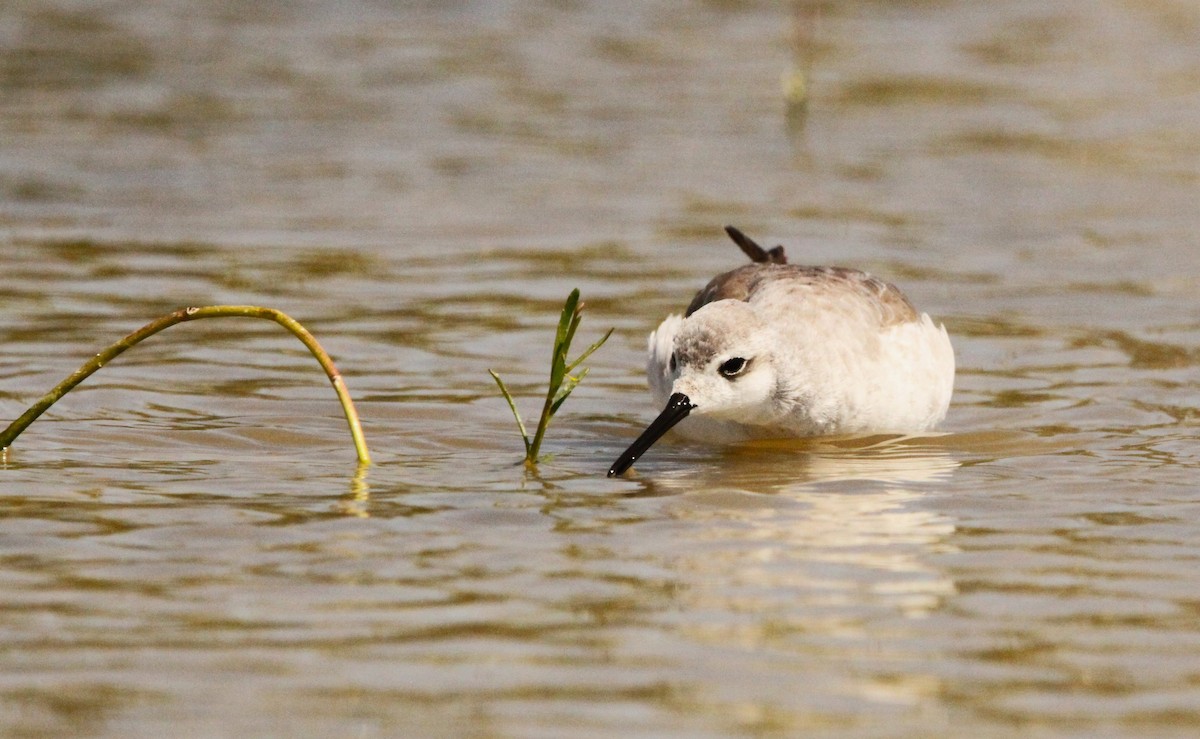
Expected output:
(187, 547)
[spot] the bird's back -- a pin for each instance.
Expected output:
(840, 283)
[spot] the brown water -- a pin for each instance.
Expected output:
(186, 547)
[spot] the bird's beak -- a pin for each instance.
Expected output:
(678, 406)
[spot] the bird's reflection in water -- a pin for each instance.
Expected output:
(812, 537)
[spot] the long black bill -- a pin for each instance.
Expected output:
(678, 406)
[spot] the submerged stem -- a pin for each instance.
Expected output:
(191, 314)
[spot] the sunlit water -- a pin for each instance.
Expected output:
(186, 546)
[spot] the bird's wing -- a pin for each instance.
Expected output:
(744, 282)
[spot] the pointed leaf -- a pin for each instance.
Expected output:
(588, 352)
(564, 320)
(567, 323)
(567, 390)
(569, 385)
(559, 368)
(576, 319)
(512, 406)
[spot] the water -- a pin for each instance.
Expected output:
(186, 545)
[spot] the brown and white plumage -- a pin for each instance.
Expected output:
(776, 350)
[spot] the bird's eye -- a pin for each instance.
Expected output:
(731, 368)
(674, 362)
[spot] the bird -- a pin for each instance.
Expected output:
(778, 350)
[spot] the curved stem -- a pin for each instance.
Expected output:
(191, 314)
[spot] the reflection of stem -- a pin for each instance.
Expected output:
(191, 314)
(533, 473)
(355, 504)
(797, 80)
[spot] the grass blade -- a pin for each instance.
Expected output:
(568, 315)
(588, 352)
(565, 391)
(562, 383)
(512, 405)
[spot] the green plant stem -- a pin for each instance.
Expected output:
(562, 383)
(535, 446)
(184, 315)
(568, 322)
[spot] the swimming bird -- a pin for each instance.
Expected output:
(778, 350)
